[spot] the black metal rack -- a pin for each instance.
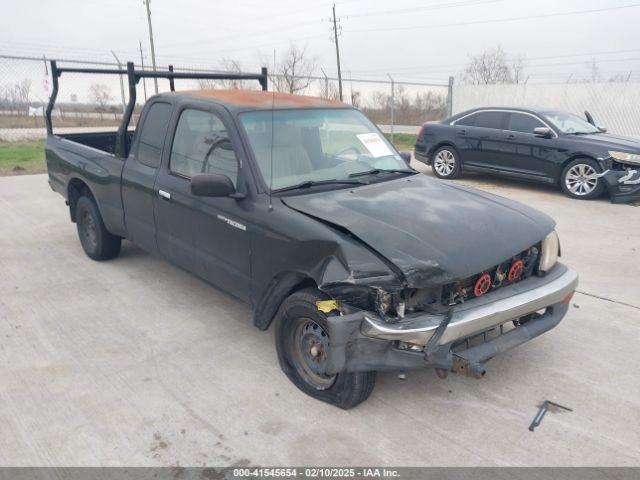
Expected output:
(133, 77)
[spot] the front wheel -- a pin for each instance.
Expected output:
(302, 343)
(580, 179)
(446, 163)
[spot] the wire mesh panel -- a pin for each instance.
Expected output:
(615, 105)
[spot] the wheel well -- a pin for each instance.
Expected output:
(443, 144)
(279, 289)
(571, 159)
(76, 189)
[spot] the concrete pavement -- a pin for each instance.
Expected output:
(135, 362)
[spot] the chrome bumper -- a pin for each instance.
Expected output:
(480, 314)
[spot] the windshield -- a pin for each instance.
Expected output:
(569, 123)
(316, 145)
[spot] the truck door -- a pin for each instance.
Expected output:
(204, 235)
(139, 175)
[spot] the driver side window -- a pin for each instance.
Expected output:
(201, 145)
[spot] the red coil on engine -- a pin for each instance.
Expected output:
(516, 270)
(483, 285)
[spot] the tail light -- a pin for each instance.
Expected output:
(421, 131)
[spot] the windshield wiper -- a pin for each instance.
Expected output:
(377, 171)
(313, 183)
(585, 133)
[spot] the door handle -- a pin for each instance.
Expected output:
(165, 195)
(510, 137)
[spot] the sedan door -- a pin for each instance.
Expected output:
(483, 135)
(204, 235)
(525, 153)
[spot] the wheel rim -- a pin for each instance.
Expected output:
(444, 163)
(581, 179)
(310, 354)
(89, 232)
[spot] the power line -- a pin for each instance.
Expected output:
(494, 20)
(440, 6)
(432, 67)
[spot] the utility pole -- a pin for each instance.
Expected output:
(393, 105)
(335, 36)
(153, 50)
(124, 104)
(144, 80)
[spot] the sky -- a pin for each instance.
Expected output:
(411, 40)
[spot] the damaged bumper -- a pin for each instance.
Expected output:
(623, 185)
(361, 341)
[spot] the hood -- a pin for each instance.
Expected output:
(610, 141)
(433, 232)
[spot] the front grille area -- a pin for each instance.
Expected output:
(506, 273)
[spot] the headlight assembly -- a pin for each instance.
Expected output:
(550, 252)
(625, 157)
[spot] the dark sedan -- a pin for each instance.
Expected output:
(548, 146)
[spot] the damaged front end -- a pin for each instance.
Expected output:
(384, 325)
(622, 177)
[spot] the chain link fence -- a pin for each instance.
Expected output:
(96, 102)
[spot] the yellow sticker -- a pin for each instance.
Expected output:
(327, 306)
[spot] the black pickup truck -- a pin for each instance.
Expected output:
(301, 208)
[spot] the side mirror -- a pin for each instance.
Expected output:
(589, 117)
(602, 129)
(406, 156)
(545, 132)
(212, 185)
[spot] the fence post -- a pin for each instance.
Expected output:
(393, 105)
(450, 98)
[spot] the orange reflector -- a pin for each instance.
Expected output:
(567, 298)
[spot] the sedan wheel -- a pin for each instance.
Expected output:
(581, 179)
(445, 163)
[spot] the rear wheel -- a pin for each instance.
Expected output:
(580, 179)
(446, 163)
(303, 342)
(96, 241)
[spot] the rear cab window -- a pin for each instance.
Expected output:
(152, 134)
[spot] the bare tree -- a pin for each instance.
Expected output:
(293, 73)
(517, 68)
(493, 66)
(227, 65)
(100, 94)
(23, 90)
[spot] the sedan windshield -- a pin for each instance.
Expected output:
(569, 123)
(318, 147)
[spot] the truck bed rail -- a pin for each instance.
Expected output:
(133, 77)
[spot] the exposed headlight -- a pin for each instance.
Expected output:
(550, 252)
(625, 157)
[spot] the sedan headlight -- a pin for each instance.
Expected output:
(550, 252)
(625, 157)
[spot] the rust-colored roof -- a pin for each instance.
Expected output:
(262, 99)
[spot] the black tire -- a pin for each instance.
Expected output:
(96, 241)
(299, 314)
(445, 163)
(577, 179)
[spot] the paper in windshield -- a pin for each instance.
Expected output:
(374, 144)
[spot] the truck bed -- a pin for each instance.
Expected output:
(105, 141)
(87, 158)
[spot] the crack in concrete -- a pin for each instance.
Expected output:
(608, 299)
